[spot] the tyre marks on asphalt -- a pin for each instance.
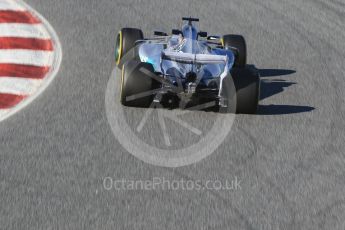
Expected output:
(30, 56)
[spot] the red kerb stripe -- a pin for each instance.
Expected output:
(9, 100)
(24, 71)
(10, 16)
(26, 43)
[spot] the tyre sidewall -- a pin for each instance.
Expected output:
(247, 83)
(134, 81)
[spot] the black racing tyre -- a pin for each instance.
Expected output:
(247, 84)
(239, 43)
(135, 82)
(125, 41)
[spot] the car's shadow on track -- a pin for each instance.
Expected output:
(271, 87)
(282, 109)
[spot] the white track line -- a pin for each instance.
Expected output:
(27, 57)
(19, 86)
(23, 30)
(10, 5)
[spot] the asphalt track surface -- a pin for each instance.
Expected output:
(55, 153)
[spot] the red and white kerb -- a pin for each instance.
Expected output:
(30, 55)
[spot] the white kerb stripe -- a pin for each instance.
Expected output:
(10, 5)
(23, 30)
(19, 86)
(27, 57)
(3, 112)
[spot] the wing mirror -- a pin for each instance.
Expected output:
(202, 34)
(176, 32)
(160, 33)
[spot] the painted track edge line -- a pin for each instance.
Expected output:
(53, 70)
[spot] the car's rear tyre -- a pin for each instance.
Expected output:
(135, 82)
(247, 84)
(239, 43)
(125, 41)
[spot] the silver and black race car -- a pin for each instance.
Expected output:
(188, 68)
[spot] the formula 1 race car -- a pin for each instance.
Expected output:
(187, 67)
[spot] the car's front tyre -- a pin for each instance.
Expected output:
(238, 42)
(125, 41)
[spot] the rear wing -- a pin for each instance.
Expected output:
(188, 58)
